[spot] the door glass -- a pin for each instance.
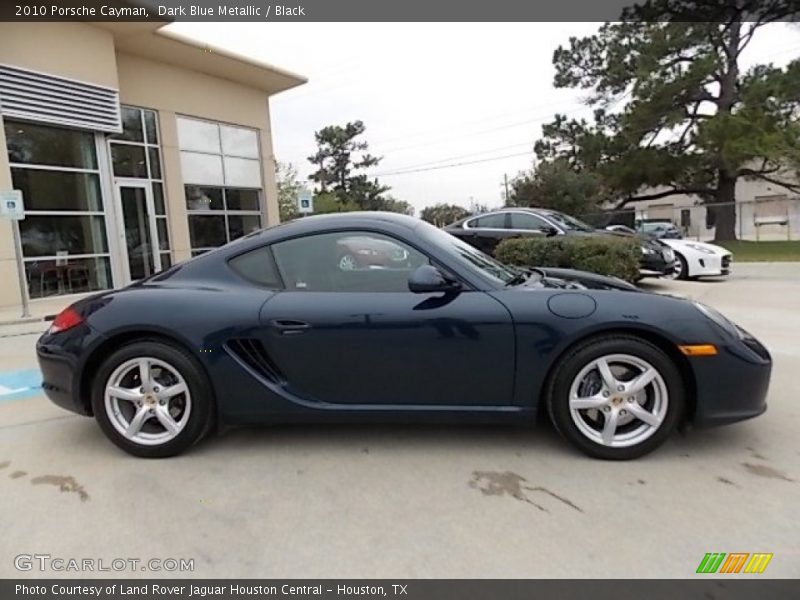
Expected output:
(347, 262)
(137, 232)
(526, 221)
(494, 221)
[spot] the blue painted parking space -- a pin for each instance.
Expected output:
(20, 384)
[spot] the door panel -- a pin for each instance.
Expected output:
(394, 348)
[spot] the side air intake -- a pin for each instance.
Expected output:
(252, 353)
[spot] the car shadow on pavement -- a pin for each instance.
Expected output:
(429, 439)
(82, 436)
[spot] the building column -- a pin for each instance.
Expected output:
(173, 187)
(10, 292)
(270, 212)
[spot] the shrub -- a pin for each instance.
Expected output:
(604, 255)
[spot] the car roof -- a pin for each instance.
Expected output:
(335, 220)
(507, 209)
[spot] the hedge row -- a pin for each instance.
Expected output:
(605, 255)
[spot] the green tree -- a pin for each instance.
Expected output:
(340, 160)
(694, 121)
(328, 202)
(554, 184)
(288, 188)
(443, 214)
(392, 204)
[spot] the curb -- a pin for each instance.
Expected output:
(24, 320)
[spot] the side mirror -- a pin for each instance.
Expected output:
(548, 230)
(427, 279)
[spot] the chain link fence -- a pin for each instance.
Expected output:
(767, 218)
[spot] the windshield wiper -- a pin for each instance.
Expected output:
(521, 276)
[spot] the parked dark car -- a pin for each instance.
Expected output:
(487, 230)
(270, 329)
(659, 228)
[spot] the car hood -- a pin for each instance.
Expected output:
(678, 244)
(574, 279)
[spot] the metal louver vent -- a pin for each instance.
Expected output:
(252, 353)
(45, 98)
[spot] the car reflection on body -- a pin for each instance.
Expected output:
(270, 329)
(364, 252)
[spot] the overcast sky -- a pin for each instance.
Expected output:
(430, 94)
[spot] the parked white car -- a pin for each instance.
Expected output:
(698, 259)
(694, 259)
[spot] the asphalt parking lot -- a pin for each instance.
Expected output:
(418, 502)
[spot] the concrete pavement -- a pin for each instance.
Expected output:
(396, 501)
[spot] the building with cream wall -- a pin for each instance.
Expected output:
(134, 148)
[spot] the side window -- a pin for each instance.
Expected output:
(527, 221)
(258, 267)
(354, 261)
(493, 221)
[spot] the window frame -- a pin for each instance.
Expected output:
(147, 145)
(224, 212)
(97, 171)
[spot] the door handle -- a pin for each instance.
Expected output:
(290, 326)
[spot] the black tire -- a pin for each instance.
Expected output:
(568, 368)
(202, 416)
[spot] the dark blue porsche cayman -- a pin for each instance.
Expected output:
(381, 317)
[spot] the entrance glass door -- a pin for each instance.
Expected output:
(138, 223)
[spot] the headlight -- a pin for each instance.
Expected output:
(647, 250)
(720, 319)
(699, 248)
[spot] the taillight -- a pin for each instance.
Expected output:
(66, 319)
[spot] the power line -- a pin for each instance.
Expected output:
(537, 119)
(450, 166)
(459, 156)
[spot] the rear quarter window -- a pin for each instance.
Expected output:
(257, 266)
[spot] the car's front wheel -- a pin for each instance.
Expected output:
(152, 399)
(616, 397)
(681, 270)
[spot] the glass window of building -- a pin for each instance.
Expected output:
(136, 154)
(222, 173)
(64, 242)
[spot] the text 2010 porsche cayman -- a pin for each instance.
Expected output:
(272, 329)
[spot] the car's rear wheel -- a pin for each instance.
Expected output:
(152, 399)
(616, 397)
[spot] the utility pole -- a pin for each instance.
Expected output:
(505, 183)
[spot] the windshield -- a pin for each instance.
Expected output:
(656, 226)
(567, 222)
(462, 251)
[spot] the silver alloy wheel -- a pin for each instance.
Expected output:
(347, 263)
(618, 400)
(677, 268)
(147, 401)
